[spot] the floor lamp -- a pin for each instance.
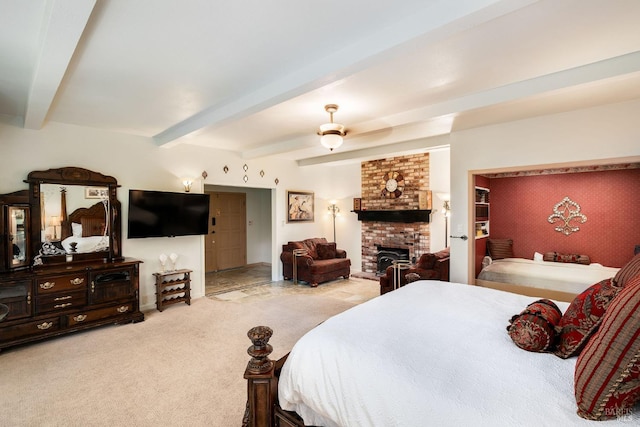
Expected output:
(446, 211)
(333, 211)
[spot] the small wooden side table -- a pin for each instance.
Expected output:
(172, 290)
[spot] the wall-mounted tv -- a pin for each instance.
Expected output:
(166, 214)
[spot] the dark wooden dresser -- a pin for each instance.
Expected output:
(64, 299)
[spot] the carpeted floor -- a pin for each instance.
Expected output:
(181, 367)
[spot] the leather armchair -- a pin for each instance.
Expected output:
(321, 261)
(433, 266)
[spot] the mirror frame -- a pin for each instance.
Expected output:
(20, 200)
(74, 176)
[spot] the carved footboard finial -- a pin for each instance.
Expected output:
(260, 350)
(262, 384)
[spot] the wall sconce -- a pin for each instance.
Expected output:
(333, 210)
(187, 184)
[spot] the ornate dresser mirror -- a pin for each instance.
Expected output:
(75, 216)
(15, 222)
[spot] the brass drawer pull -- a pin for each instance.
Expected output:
(80, 317)
(123, 309)
(63, 298)
(62, 305)
(77, 281)
(45, 325)
(47, 285)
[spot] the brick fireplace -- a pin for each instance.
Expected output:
(410, 236)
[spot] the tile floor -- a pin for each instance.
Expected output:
(355, 290)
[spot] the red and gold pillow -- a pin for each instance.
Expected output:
(582, 318)
(607, 373)
(629, 270)
(568, 258)
(534, 329)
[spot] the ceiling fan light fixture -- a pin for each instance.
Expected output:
(331, 133)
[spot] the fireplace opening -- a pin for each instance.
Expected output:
(386, 256)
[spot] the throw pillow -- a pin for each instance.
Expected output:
(326, 250)
(534, 329)
(607, 373)
(582, 318)
(92, 226)
(570, 258)
(500, 248)
(629, 270)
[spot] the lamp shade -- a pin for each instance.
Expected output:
(331, 141)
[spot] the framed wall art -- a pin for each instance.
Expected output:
(300, 206)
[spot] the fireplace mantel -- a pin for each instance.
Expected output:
(407, 215)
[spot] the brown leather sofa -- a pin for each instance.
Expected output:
(321, 261)
(434, 266)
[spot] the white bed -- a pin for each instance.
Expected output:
(567, 278)
(430, 353)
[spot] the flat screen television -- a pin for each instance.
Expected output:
(166, 214)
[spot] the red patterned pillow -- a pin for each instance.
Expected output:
(569, 258)
(582, 318)
(629, 270)
(534, 329)
(607, 374)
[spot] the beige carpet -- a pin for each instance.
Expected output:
(181, 367)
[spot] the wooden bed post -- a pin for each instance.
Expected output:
(262, 384)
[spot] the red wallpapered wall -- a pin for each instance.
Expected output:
(520, 207)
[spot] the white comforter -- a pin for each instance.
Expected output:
(566, 277)
(431, 353)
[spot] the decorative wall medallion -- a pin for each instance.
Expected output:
(245, 178)
(277, 181)
(245, 167)
(564, 212)
(392, 185)
(262, 173)
(225, 169)
(204, 174)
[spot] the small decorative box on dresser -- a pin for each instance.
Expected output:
(171, 289)
(61, 263)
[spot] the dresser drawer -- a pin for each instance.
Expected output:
(99, 314)
(28, 329)
(62, 301)
(67, 282)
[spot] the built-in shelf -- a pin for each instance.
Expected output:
(415, 215)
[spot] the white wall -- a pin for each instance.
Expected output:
(139, 164)
(586, 136)
(439, 182)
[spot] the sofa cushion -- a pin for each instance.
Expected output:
(629, 270)
(311, 246)
(582, 318)
(607, 372)
(326, 250)
(534, 328)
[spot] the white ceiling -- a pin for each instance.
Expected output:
(253, 76)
